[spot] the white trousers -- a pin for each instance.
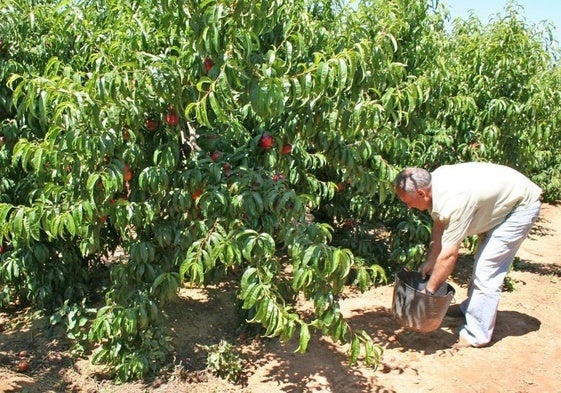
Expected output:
(492, 261)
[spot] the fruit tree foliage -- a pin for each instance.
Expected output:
(147, 145)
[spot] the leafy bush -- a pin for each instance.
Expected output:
(223, 361)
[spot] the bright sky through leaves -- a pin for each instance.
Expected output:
(533, 11)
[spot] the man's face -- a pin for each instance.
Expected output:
(420, 199)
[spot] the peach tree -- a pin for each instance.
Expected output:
(147, 146)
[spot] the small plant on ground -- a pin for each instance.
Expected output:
(224, 361)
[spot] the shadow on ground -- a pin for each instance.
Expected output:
(31, 339)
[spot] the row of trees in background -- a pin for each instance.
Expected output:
(211, 139)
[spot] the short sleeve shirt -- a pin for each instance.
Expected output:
(472, 198)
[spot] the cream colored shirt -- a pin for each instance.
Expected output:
(474, 197)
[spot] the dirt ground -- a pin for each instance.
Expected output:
(524, 356)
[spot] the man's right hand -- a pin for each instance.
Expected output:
(425, 269)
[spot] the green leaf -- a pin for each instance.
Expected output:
(251, 295)
(322, 73)
(304, 338)
(248, 277)
(34, 221)
(265, 308)
(77, 214)
(216, 108)
(354, 350)
(201, 113)
(92, 182)
(17, 222)
(69, 224)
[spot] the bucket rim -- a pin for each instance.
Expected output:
(450, 290)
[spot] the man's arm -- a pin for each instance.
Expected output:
(444, 266)
(435, 247)
(440, 262)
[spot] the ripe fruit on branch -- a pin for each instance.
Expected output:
(196, 194)
(152, 124)
(126, 134)
(2, 140)
(266, 141)
(172, 118)
(127, 173)
(286, 149)
(215, 156)
(209, 63)
(227, 168)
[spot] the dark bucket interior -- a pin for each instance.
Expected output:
(415, 310)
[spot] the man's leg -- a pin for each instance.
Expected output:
(491, 264)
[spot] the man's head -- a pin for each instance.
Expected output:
(413, 187)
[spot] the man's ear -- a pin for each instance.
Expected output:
(421, 193)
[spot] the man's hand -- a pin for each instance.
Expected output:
(427, 292)
(426, 269)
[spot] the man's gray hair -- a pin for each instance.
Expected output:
(412, 179)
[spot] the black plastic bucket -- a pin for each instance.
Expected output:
(415, 310)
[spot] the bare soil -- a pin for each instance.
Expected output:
(524, 356)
